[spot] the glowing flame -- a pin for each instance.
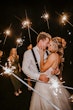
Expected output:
(45, 16)
(64, 18)
(7, 32)
(26, 23)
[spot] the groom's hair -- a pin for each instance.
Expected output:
(43, 36)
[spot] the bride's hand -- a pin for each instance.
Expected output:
(41, 52)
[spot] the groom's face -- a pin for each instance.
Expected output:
(45, 43)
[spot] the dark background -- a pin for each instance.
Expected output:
(12, 13)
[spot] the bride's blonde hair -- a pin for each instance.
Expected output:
(58, 47)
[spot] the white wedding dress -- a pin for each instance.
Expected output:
(53, 91)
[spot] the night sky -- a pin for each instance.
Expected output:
(13, 12)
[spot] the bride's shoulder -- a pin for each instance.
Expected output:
(52, 55)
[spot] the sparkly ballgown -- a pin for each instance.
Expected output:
(53, 91)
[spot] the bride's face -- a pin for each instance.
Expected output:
(51, 46)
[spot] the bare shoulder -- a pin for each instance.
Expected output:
(53, 56)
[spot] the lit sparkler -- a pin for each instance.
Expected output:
(7, 33)
(10, 71)
(27, 24)
(46, 17)
(19, 42)
(64, 18)
(7, 70)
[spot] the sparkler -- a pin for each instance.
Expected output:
(64, 18)
(26, 23)
(46, 17)
(19, 42)
(7, 33)
(10, 70)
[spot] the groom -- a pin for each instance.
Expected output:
(29, 66)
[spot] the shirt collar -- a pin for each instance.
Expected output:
(37, 47)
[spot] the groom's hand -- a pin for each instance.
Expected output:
(44, 78)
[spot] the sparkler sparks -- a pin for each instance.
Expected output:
(46, 17)
(7, 33)
(64, 18)
(11, 70)
(8, 70)
(19, 42)
(26, 23)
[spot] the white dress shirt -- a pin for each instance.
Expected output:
(29, 65)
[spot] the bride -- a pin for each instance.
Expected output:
(53, 90)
